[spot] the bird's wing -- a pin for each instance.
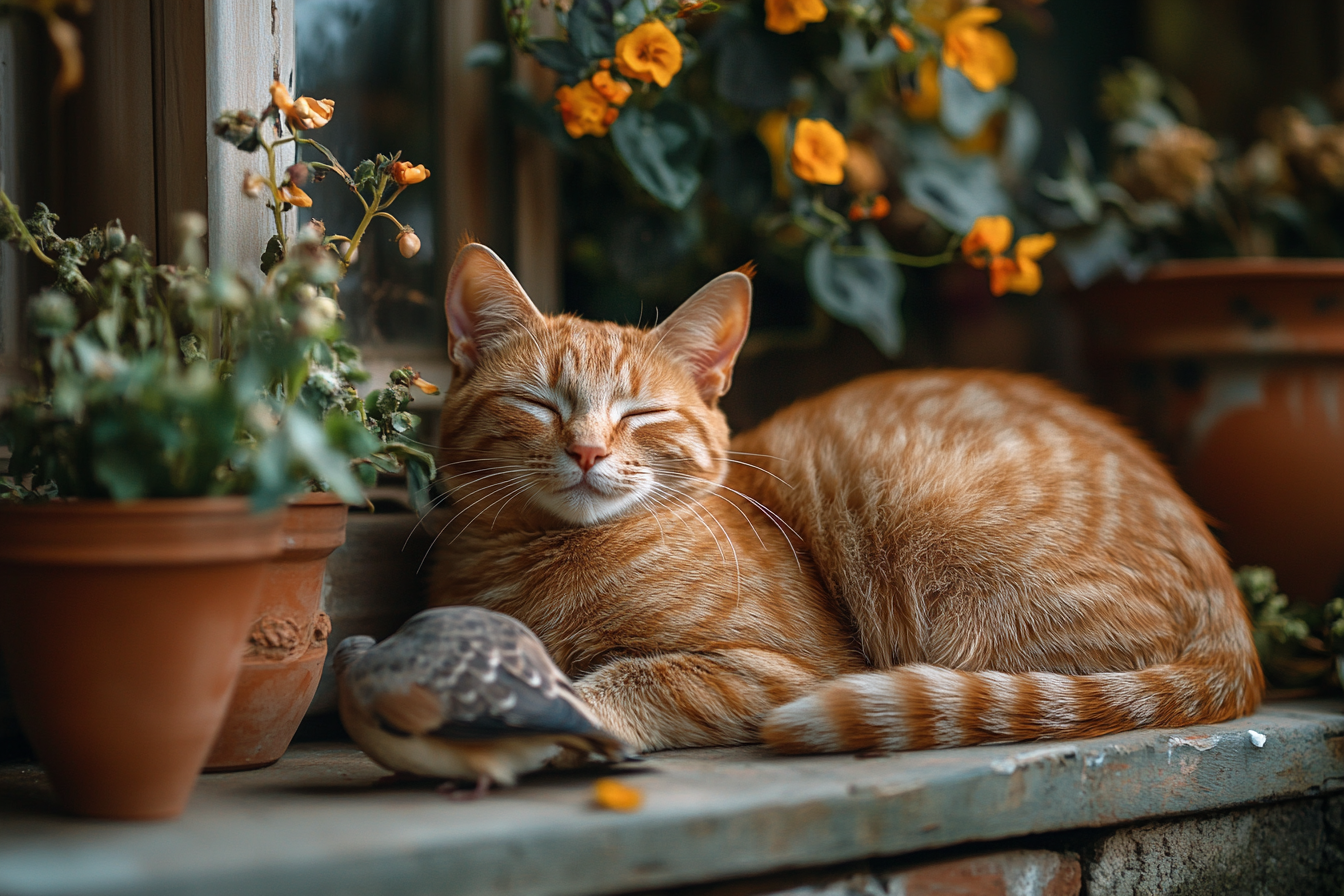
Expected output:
(463, 673)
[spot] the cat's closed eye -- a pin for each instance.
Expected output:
(534, 404)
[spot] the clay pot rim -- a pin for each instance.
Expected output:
(150, 531)
(1267, 267)
(229, 504)
(315, 498)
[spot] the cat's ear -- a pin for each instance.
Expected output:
(708, 330)
(484, 303)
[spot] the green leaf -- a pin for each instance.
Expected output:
(274, 254)
(555, 54)
(403, 422)
(419, 476)
(366, 175)
(591, 33)
(863, 291)
(368, 474)
(661, 147)
(964, 109)
(191, 348)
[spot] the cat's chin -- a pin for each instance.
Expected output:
(583, 506)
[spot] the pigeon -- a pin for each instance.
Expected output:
(463, 693)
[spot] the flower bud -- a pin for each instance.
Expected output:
(253, 185)
(114, 238)
(408, 243)
(318, 316)
(51, 314)
(298, 174)
(306, 293)
(343, 246)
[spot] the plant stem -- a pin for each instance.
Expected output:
(370, 210)
(17, 221)
(277, 201)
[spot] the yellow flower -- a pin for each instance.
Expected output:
(1020, 274)
(613, 91)
(584, 110)
(772, 130)
(294, 196)
(788, 16)
(819, 152)
(905, 41)
(982, 54)
(989, 237)
(305, 113)
(404, 173)
(923, 103)
(650, 53)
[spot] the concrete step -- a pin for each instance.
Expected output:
(314, 823)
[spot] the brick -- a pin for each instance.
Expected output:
(1017, 873)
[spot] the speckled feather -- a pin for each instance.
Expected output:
(490, 676)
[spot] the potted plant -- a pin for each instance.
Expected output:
(837, 144)
(1224, 353)
(287, 644)
(138, 520)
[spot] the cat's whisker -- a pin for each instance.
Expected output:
(467, 525)
(423, 518)
(758, 454)
(498, 488)
(736, 562)
(685, 502)
(783, 482)
(779, 522)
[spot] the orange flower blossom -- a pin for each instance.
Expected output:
(613, 91)
(880, 207)
(404, 173)
(905, 41)
(788, 16)
(923, 103)
(1021, 273)
(989, 237)
(650, 53)
(305, 113)
(585, 110)
(819, 152)
(982, 54)
(294, 196)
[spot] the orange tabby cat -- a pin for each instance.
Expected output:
(917, 559)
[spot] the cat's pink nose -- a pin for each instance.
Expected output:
(586, 456)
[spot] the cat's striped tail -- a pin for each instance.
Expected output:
(919, 707)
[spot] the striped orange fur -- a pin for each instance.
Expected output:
(914, 560)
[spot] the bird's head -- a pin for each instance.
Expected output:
(349, 650)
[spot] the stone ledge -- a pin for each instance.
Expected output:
(312, 824)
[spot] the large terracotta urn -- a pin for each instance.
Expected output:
(287, 644)
(122, 627)
(1235, 370)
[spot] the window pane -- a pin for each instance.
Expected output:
(375, 59)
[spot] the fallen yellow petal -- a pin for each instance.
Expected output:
(608, 793)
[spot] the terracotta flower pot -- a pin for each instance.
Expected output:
(120, 626)
(1235, 370)
(287, 645)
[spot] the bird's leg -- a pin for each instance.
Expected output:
(454, 791)
(395, 778)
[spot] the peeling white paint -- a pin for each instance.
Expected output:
(1200, 742)
(1045, 754)
(1257, 739)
